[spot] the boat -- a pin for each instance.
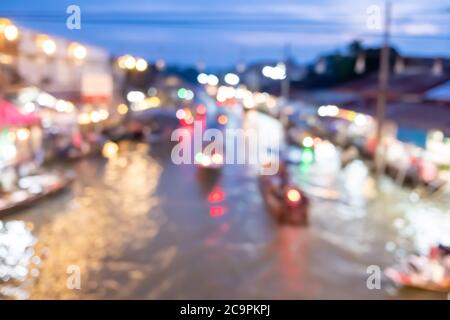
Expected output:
(26, 199)
(422, 272)
(288, 204)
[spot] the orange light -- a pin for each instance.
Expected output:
(222, 119)
(189, 120)
(293, 195)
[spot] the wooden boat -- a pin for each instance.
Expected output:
(13, 206)
(411, 274)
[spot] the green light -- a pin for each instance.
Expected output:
(304, 168)
(199, 157)
(307, 155)
(182, 93)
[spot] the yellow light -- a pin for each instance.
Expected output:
(153, 102)
(49, 46)
(293, 195)
(11, 32)
(23, 134)
(217, 158)
(103, 114)
(121, 62)
(110, 149)
(4, 22)
(122, 108)
(84, 118)
(78, 51)
(129, 62)
(141, 65)
(70, 107)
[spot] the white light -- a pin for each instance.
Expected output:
(280, 71)
(360, 120)
(232, 79)
(308, 142)
(61, 106)
(213, 80)
(49, 46)
(135, 96)
(275, 73)
(267, 71)
(44, 99)
(141, 65)
(29, 107)
(189, 95)
(96, 116)
(322, 111)
(202, 78)
(23, 134)
(79, 52)
(11, 32)
(180, 114)
(330, 111)
(333, 111)
(438, 136)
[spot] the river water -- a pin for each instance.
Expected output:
(139, 227)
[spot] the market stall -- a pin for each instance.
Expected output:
(22, 179)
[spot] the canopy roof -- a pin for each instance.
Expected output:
(10, 116)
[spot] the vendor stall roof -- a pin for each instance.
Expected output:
(11, 117)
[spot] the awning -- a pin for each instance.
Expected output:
(10, 116)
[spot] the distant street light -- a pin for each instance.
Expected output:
(275, 73)
(202, 78)
(11, 32)
(213, 80)
(49, 46)
(141, 65)
(130, 62)
(78, 51)
(232, 79)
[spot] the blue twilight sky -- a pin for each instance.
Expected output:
(224, 32)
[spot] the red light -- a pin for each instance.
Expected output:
(216, 212)
(201, 109)
(293, 195)
(216, 195)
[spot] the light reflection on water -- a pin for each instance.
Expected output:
(98, 221)
(18, 264)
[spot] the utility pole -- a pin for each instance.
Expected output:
(383, 79)
(286, 83)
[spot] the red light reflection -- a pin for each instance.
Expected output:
(216, 211)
